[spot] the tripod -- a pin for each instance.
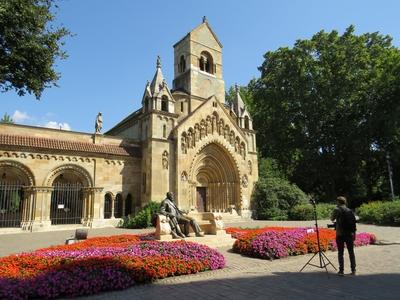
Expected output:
(323, 260)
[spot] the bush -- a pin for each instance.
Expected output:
(380, 213)
(306, 211)
(143, 219)
(274, 197)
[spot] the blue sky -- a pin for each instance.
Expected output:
(115, 44)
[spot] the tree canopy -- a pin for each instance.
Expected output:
(29, 46)
(6, 119)
(327, 110)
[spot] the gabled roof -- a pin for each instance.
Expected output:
(205, 23)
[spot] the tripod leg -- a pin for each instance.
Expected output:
(329, 262)
(308, 261)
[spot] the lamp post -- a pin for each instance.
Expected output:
(390, 175)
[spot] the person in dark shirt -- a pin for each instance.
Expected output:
(344, 235)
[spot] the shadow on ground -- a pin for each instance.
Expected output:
(280, 285)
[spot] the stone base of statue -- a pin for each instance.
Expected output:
(211, 225)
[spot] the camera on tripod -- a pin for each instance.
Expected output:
(333, 225)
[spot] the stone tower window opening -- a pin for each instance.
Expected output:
(164, 103)
(164, 131)
(182, 106)
(246, 122)
(182, 64)
(206, 63)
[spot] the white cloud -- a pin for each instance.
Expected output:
(20, 117)
(56, 125)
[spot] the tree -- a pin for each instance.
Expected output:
(29, 46)
(327, 111)
(6, 119)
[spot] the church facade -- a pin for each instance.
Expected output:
(183, 139)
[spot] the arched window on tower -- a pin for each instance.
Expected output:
(206, 62)
(164, 103)
(182, 64)
(246, 122)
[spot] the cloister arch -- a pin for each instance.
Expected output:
(70, 198)
(214, 179)
(16, 204)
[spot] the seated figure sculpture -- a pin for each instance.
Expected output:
(169, 209)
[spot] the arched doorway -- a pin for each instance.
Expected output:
(14, 205)
(69, 201)
(66, 200)
(214, 180)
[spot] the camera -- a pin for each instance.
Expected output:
(333, 225)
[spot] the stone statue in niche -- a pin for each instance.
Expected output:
(242, 151)
(189, 140)
(245, 181)
(214, 124)
(184, 176)
(208, 126)
(237, 147)
(202, 130)
(232, 138)
(183, 145)
(196, 132)
(226, 132)
(250, 167)
(165, 160)
(221, 127)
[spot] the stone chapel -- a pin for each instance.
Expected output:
(183, 139)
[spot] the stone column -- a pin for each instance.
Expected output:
(96, 199)
(27, 208)
(41, 209)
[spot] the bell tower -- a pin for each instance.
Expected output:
(198, 64)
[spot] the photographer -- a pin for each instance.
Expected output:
(345, 233)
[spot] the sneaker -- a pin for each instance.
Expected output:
(340, 273)
(353, 273)
(199, 234)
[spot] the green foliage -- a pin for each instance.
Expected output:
(143, 218)
(306, 211)
(6, 119)
(380, 213)
(245, 94)
(29, 46)
(273, 197)
(326, 111)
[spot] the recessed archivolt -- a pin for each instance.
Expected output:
(220, 155)
(8, 164)
(82, 173)
(209, 126)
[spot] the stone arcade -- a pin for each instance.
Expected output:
(183, 139)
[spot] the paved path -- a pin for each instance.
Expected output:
(378, 271)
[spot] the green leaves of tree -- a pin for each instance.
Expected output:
(29, 46)
(327, 110)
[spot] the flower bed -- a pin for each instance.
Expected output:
(278, 242)
(100, 264)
